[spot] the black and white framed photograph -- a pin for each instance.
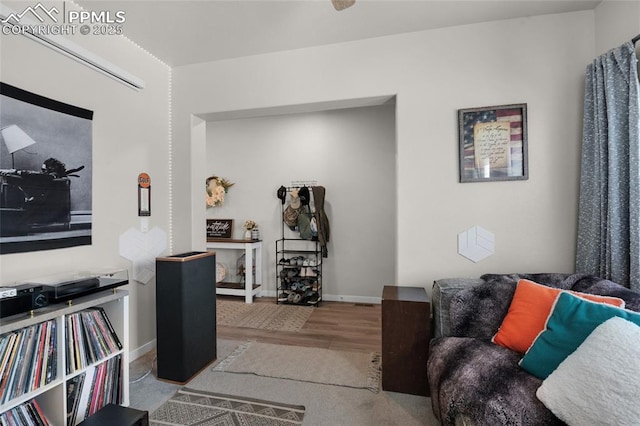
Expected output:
(493, 143)
(45, 172)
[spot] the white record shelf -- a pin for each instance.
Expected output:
(52, 397)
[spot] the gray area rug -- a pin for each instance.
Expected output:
(266, 316)
(316, 365)
(346, 406)
(190, 407)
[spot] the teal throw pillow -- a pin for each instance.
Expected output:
(571, 321)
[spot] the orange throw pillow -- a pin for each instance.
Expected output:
(528, 312)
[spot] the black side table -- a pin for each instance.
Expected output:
(112, 414)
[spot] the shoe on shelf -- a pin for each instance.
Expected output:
(314, 299)
(312, 262)
(283, 297)
(284, 261)
(305, 262)
(312, 281)
(310, 272)
(297, 298)
(307, 294)
(285, 285)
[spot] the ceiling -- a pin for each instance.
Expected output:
(192, 31)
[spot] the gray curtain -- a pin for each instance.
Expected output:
(609, 210)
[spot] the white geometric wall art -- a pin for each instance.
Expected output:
(476, 243)
(142, 248)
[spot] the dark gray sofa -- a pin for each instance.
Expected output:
(474, 381)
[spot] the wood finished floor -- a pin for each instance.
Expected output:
(332, 325)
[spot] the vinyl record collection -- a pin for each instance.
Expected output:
(28, 413)
(29, 360)
(22, 367)
(90, 338)
(94, 388)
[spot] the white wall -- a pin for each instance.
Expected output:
(616, 22)
(538, 60)
(130, 135)
(351, 152)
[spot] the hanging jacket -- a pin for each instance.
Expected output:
(322, 222)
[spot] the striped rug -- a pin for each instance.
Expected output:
(266, 316)
(190, 407)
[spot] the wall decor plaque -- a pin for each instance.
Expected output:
(219, 228)
(493, 143)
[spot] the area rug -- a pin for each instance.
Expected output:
(190, 407)
(316, 365)
(266, 316)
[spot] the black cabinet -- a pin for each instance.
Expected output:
(112, 415)
(185, 314)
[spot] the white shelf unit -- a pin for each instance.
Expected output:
(249, 288)
(52, 397)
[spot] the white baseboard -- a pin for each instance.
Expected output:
(137, 353)
(352, 299)
(336, 298)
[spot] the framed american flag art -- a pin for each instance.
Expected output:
(493, 143)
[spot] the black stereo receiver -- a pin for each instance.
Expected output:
(27, 298)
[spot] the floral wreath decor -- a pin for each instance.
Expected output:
(216, 188)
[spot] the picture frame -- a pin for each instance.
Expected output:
(219, 228)
(46, 169)
(493, 143)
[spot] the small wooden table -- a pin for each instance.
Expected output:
(406, 326)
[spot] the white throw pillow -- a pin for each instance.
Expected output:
(599, 383)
